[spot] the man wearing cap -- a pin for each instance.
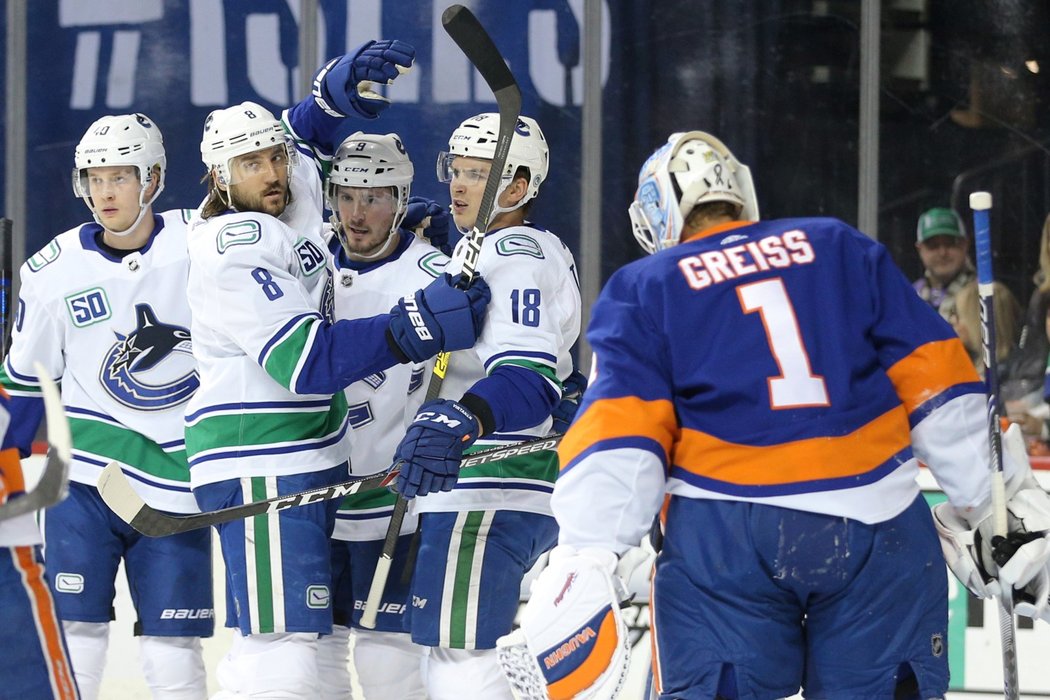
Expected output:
(942, 246)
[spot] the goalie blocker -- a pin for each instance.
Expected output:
(573, 641)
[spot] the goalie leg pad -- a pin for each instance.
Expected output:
(573, 641)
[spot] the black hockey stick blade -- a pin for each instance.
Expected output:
(117, 492)
(472, 39)
(54, 482)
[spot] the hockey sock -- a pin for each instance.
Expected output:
(87, 642)
(174, 667)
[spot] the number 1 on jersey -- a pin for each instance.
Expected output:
(797, 386)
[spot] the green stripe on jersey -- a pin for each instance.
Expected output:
(546, 371)
(263, 579)
(253, 429)
(376, 498)
(284, 357)
(12, 387)
(537, 465)
(114, 442)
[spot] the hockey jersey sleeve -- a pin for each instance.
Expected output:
(937, 384)
(37, 336)
(276, 321)
(615, 456)
(524, 329)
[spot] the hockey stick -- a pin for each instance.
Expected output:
(54, 482)
(474, 41)
(116, 491)
(981, 202)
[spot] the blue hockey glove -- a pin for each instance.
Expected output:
(422, 211)
(440, 317)
(344, 84)
(433, 446)
(572, 392)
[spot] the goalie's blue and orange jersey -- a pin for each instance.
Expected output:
(785, 361)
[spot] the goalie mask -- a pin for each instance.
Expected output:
(367, 161)
(691, 168)
(476, 138)
(238, 130)
(123, 140)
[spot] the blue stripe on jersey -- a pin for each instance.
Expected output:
(281, 334)
(547, 357)
(620, 443)
(464, 484)
(157, 484)
(797, 487)
(944, 397)
(247, 406)
(287, 449)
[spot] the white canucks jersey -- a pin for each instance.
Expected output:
(260, 291)
(532, 321)
(382, 405)
(116, 331)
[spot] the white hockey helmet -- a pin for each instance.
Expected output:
(237, 130)
(692, 168)
(123, 139)
(371, 160)
(476, 138)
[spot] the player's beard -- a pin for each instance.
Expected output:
(258, 203)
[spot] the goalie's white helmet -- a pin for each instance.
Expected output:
(121, 140)
(371, 160)
(692, 168)
(476, 138)
(237, 130)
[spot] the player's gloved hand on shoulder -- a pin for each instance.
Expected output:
(433, 446)
(441, 317)
(434, 219)
(344, 85)
(572, 392)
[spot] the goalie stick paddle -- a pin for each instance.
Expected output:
(981, 203)
(116, 491)
(54, 482)
(464, 29)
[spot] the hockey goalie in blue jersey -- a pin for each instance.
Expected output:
(777, 382)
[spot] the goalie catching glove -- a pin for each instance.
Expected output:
(573, 641)
(985, 563)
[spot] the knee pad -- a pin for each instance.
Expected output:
(388, 665)
(174, 667)
(333, 664)
(272, 666)
(87, 643)
(453, 674)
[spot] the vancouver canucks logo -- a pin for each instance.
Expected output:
(129, 362)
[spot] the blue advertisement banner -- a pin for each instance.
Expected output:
(176, 60)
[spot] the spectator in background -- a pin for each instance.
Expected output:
(966, 320)
(1024, 396)
(942, 246)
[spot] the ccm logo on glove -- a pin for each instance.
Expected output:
(417, 319)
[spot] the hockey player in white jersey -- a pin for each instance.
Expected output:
(479, 538)
(270, 417)
(377, 261)
(102, 306)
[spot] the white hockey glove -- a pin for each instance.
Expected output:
(572, 642)
(986, 564)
